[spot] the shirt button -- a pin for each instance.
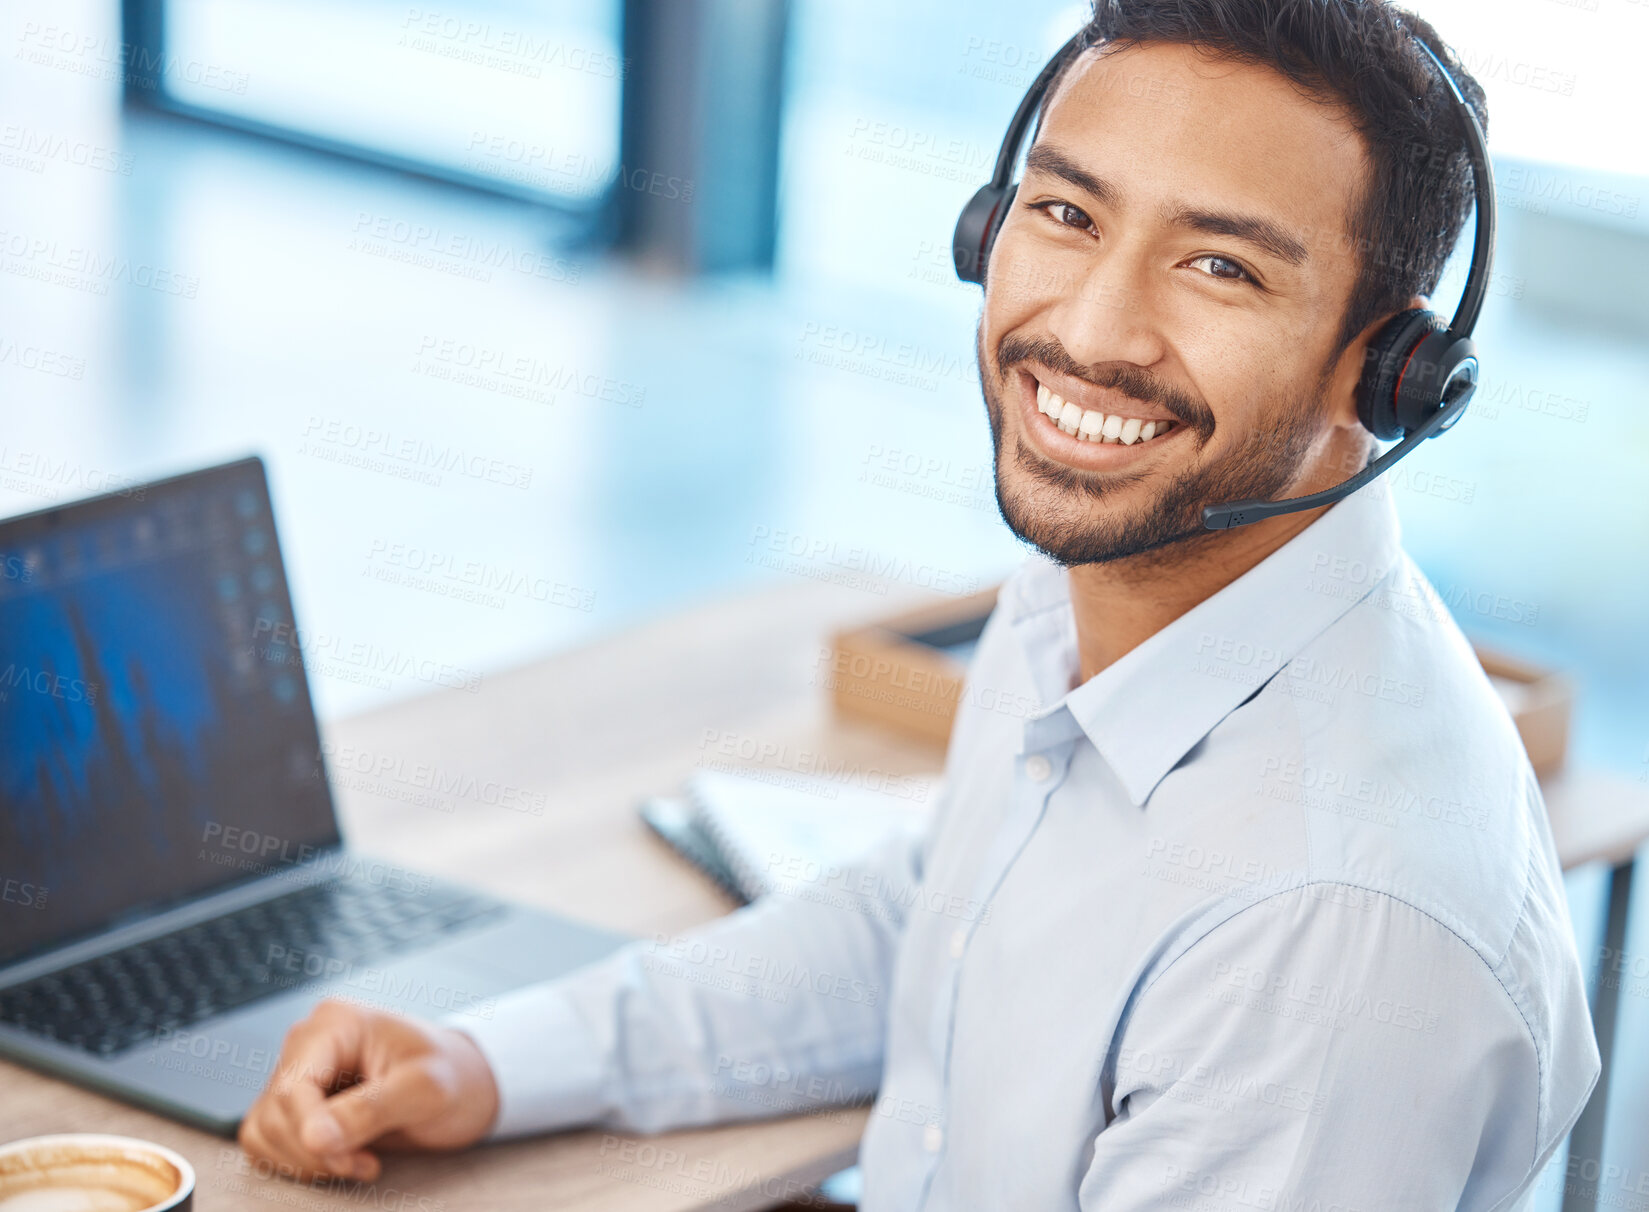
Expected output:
(958, 943)
(1038, 768)
(932, 1137)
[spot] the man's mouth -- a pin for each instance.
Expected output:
(1093, 425)
(1084, 435)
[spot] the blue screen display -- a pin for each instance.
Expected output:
(156, 732)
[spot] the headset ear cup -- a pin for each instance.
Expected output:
(1440, 367)
(1388, 354)
(976, 230)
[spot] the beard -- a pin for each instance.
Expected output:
(1071, 514)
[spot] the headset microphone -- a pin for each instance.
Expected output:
(1419, 373)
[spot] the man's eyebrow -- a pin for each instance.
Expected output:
(1056, 163)
(1260, 232)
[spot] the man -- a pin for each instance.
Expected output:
(1259, 908)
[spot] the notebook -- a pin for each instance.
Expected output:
(775, 831)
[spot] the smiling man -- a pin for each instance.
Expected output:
(1259, 908)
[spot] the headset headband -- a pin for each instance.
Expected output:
(1477, 281)
(1008, 155)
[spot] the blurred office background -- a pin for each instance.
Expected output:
(650, 301)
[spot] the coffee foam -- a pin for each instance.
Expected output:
(85, 1177)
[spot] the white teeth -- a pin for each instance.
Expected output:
(1091, 425)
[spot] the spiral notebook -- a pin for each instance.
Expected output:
(758, 833)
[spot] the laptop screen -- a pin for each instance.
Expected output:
(156, 733)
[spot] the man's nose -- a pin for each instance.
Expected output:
(1101, 310)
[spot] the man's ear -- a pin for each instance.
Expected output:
(1348, 372)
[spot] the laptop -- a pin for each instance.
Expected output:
(174, 890)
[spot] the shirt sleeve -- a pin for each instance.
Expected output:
(776, 1008)
(1328, 1048)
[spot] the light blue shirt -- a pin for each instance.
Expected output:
(1266, 915)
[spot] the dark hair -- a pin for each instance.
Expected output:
(1361, 55)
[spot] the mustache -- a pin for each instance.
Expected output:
(1135, 382)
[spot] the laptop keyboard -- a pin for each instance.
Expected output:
(108, 1004)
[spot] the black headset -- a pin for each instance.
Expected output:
(1420, 372)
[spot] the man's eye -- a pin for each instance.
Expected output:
(1223, 268)
(1068, 215)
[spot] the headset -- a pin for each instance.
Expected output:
(1420, 373)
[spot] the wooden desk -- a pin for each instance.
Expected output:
(1599, 818)
(596, 730)
(1596, 817)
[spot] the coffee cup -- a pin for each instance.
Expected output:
(89, 1172)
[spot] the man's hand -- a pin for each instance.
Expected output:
(349, 1077)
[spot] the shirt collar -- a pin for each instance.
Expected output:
(1148, 709)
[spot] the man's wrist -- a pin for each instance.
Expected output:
(477, 1083)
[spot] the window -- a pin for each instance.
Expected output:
(517, 97)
